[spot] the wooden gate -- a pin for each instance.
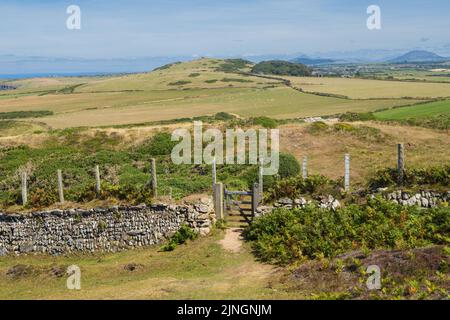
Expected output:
(239, 207)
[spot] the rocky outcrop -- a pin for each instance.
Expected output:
(99, 230)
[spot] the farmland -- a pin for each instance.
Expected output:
(200, 88)
(372, 89)
(418, 111)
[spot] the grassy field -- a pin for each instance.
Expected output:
(372, 146)
(198, 88)
(372, 89)
(418, 111)
(199, 270)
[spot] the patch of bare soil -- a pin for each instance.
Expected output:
(21, 271)
(232, 240)
(421, 273)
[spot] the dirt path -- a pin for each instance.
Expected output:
(232, 240)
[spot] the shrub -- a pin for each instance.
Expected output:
(288, 235)
(221, 224)
(194, 75)
(160, 144)
(180, 237)
(133, 194)
(357, 116)
(224, 116)
(42, 198)
(317, 127)
(295, 187)
(440, 122)
(289, 166)
(361, 132)
(435, 176)
(344, 127)
(265, 122)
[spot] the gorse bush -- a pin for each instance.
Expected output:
(265, 122)
(160, 144)
(359, 131)
(224, 116)
(439, 122)
(288, 235)
(433, 176)
(317, 127)
(296, 187)
(357, 116)
(180, 237)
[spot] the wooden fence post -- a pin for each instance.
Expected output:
(97, 180)
(218, 200)
(24, 188)
(154, 181)
(170, 193)
(261, 176)
(214, 172)
(347, 173)
(60, 187)
(400, 163)
(256, 197)
(305, 167)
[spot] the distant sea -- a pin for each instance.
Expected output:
(55, 75)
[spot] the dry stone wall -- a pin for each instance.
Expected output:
(99, 230)
(425, 199)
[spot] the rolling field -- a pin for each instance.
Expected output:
(371, 89)
(418, 111)
(199, 88)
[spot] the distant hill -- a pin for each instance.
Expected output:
(419, 56)
(282, 68)
(312, 61)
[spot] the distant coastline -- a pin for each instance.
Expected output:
(59, 75)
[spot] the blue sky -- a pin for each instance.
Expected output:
(137, 28)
